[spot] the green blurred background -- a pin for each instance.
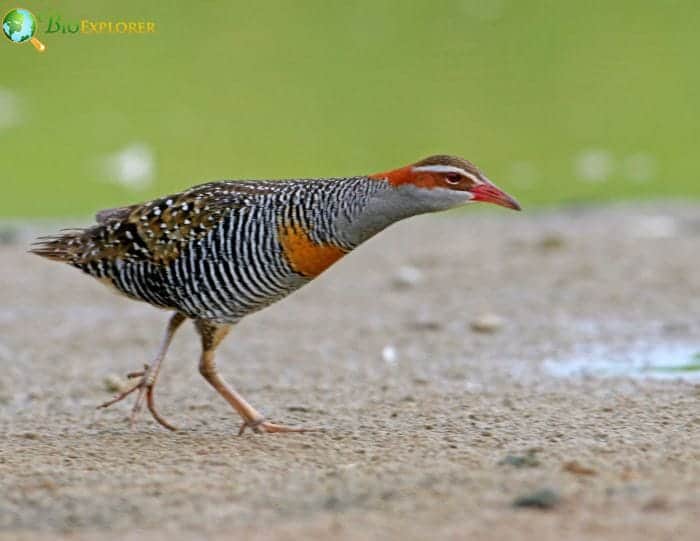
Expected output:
(558, 102)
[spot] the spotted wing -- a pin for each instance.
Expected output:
(156, 231)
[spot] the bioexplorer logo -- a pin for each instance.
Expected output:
(20, 25)
(56, 25)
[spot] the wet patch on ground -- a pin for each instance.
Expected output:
(639, 360)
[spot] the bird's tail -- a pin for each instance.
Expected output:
(68, 246)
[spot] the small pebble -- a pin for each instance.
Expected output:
(657, 503)
(425, 324)
(544, 498)
(528, 460)
(552, 242)
(114, 383)
(487, 323)
(407, 277)
(578, 469)
(302, 409)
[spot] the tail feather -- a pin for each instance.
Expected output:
(68, 247)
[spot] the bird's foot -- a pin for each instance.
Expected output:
(261, 425)
(144, 386)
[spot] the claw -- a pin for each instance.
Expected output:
(144, 389)
(260, 426)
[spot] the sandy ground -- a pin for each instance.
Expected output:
(434, 429)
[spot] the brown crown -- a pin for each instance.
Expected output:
(454, 161)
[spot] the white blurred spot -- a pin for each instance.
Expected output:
(484, 10)
(654, 227)
(389, 354)
(522, 173)
(10, 109)
(406, 277)
(640, 167)
(594, 165)
(132, 167)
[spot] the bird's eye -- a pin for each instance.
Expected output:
(453, 178)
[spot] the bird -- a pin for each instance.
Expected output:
(222, 250)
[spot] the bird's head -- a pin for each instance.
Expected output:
(447, 181)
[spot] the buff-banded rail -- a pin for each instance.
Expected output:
(219, 251)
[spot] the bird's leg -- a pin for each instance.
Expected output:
(212, 335)
(148, 376)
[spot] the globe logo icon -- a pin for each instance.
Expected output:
(19, 25)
